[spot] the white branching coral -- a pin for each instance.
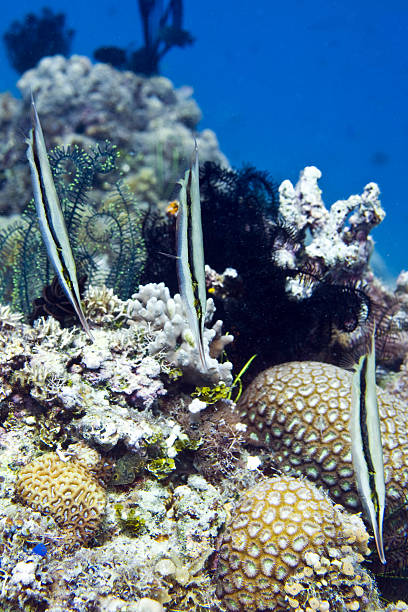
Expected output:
(165, 320)
(160, 324)
(339, 236)
(8, 318)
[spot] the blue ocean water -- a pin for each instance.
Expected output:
(284, 85)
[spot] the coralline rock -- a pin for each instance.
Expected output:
(280, 527)
(148, 605)
(115, 604)
(202, 520)
(400, 606)
(138, 344)
(79, 102)
(301, 411)
(335, 238)
(24, 572)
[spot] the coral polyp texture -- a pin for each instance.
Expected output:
(67, 491)
(301, 411)
(280, 526)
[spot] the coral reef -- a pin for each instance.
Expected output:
(138, 345)
(120, 458)
(280, 529)
(162, 563)
(151, 123)
(64, 394)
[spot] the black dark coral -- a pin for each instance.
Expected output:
(37, 36)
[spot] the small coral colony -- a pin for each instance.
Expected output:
(152, 457)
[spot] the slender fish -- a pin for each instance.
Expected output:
(190, 255)
(366, 446)
(51, 218)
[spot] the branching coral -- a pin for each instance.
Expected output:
(339, 238)
(164, 319)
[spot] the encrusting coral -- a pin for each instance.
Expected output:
(281, 529)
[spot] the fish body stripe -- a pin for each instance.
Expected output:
(196, 278)
(366, 445)
(43, 198)
(190, 256)
(51, 218)
(363, 420)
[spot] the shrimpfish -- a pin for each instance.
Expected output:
(51, 218)
(366, 446)
(190, 255)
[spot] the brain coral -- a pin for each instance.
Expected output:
(277, 526)
(301, 411)
(66, 491)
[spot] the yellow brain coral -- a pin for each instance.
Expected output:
(277, 525)
(301, 411)
(66, 491)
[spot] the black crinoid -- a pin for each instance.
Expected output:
(105, 236)
(35, 37)
(242, 230)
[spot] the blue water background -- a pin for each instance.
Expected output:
(284, 85)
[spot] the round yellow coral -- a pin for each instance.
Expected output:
(66, 491)
(276, 526)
